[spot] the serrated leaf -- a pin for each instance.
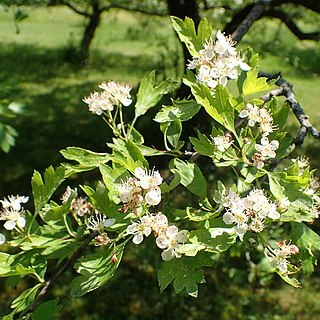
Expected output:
(47, 311)
(150, 94)
(202, 145)
(96, 270)
(182, 109)
(43, 189)
(86, 159)
(9, 267)
(25, 298)
(191, 177)
(254, 84)
(185, 273)
(214, 239)
(187, 33)
(307, 241)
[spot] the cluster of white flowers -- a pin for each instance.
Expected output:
(12, 212)
(313, 190)
(259, 116)
(266, 150)
(250, 212)
(222, 143)
(113, 93)
(262, 118)
(79, 206)
(218, 61)
(143, 188)
(279, 257)
(168, 237)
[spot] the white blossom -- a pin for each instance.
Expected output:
(218, 61)
(222, 142)
(266, 148)
(170, 241)
(99, 221)
(12, 212)
(140, 229)
(279, 257)
(2, 239)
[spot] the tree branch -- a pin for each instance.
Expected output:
(285, 89)
(75, 9)
(291, 25)
(253, 15)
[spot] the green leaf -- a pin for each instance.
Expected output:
(220, 107)
(183, 110)
(214, 239)
(9, 267)
(96, 269)
(191, 177)
(47, 310)
(307, 241)
(7, 137)
(43, 189)
(150, 94)
(184, 272)
(200, 215)
(86, 159)
(24, 300)
(253, 85)
(173, 132)
(187, 33)
(202, 145)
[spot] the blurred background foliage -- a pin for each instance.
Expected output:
(43, 73)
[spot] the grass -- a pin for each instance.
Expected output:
(126, 47)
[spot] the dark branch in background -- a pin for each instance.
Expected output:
(75, 9)
(287, 20)
(253, 15)
(285, 89)
(238, 18)
(59, 272)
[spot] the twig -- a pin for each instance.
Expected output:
(285, 89)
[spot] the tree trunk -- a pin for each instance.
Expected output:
(183, 9)
(90, 29)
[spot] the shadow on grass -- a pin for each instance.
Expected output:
(55, 116)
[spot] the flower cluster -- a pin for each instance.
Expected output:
(259, 116)
(79, 206)
(12, 212)
(222, 143)
(250, 212)
(168, 237)
(279, 257)
(112, 95)
(143, 188)
(262, 118)
(218, 61)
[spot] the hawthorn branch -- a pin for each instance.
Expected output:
(59, 272)
(75, 9)
(285, 89)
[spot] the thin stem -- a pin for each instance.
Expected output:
(122, 122)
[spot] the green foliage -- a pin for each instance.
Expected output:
(185, 273)
(47, 311)
(96, 269)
